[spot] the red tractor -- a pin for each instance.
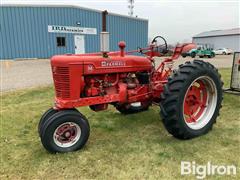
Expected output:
(189, 97)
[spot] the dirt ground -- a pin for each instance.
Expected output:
(19, 74)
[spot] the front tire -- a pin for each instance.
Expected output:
(191, 100)
(65, 131)
(44, 117)
(49, 113)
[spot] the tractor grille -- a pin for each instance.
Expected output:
(61, 81)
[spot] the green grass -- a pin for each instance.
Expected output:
(133, 146)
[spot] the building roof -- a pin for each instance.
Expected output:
(69, 6)
(226, 32)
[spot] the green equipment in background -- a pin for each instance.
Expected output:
(203, 50)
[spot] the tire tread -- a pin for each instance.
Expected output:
(169, 109)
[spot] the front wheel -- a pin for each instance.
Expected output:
(191, 100)
(44, 117)
(65, 131)
(48, 114)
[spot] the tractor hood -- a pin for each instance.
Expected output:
(93, 64)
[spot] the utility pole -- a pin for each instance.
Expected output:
(130, 7)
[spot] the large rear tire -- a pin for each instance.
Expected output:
(191, 100)
(65, 131)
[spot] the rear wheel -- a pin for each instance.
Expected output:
(211, 55)
(184, 55)
(191, 100)
(193, 54)
(65, 131)
(133, 107)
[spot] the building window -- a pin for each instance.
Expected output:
(61, 41)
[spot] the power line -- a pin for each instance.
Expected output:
(130, 7)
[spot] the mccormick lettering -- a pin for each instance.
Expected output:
(112, 63)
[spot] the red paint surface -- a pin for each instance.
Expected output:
(91, 79)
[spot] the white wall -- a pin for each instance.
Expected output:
(232, 42)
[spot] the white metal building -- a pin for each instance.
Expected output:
(229, 38)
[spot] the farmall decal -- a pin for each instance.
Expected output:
(112, 63)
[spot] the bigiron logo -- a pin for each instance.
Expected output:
(112, 63)
(209, 169)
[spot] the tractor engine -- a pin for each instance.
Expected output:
(101, 85)
(107, 84)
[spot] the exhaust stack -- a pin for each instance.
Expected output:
(104, 35)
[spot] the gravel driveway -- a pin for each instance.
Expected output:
(19, 74)
(221, 61)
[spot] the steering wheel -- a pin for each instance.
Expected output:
(161, 48)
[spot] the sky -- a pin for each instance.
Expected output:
(176, 20)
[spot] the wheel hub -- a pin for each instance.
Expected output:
(195, 101)
(200, 102)
(67, 134)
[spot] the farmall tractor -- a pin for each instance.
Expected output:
(189, 97)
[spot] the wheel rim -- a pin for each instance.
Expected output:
(200, 102)
(67, 134)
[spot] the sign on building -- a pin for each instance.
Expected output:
(71, 29)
